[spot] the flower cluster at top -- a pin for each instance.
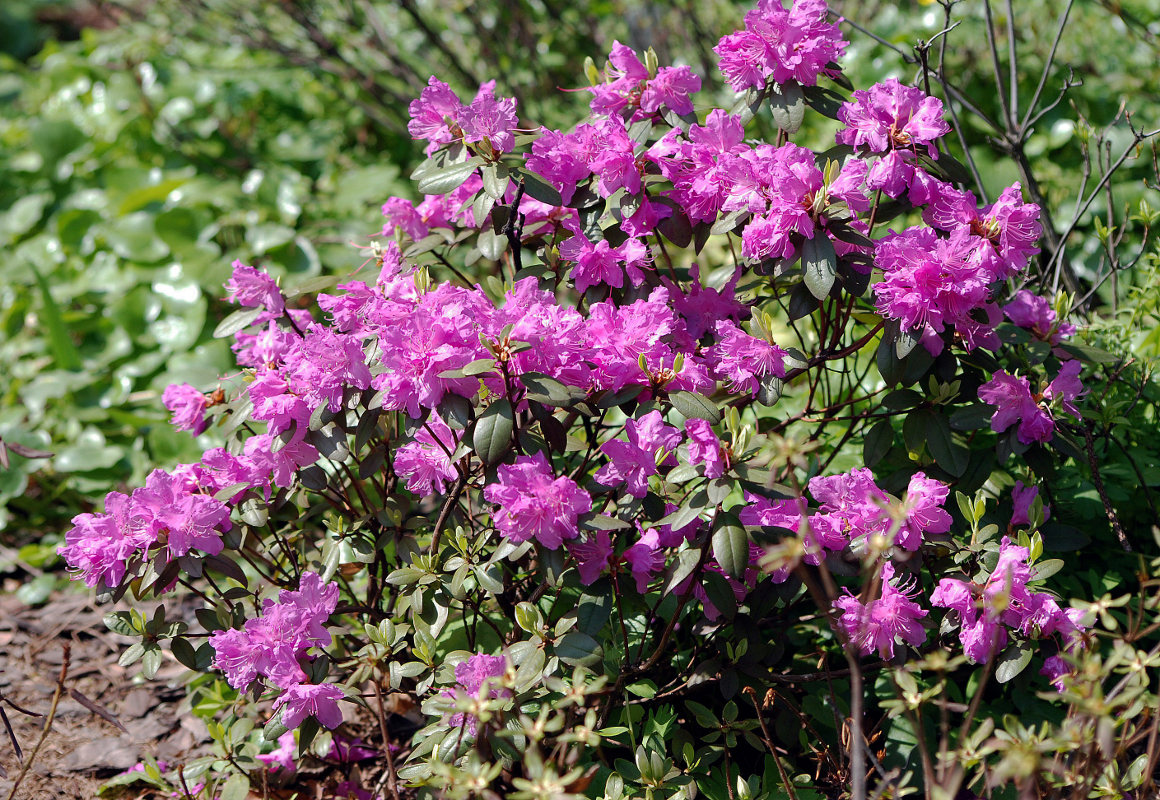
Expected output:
(274, 645)
(605, 314)
(440, 117)
(780, 45)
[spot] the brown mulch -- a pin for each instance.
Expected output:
(84, 746)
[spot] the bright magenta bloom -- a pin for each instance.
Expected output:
(632, 462)
(1014, 402)
(1034, 313)
(896, 120)
(534, 504)
(253, 288)
(929, 283)
(311, 700)
(743, 360)
(187, 405)
(425, 463)
(705, 448)
(781, 45)
(875, 626)
(630, 91)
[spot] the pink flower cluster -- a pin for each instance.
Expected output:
(1015, 403)
(1034, 313)
(632, 462)
(780, 189)
(630, 91)
(169, 511)
(896, 120)
(440, 117)
(473, 676)
(853, 508)
(876, 625)
(273, 646)
(781, 44)
(535, 504)
(986, 611)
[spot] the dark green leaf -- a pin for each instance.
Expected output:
(493, 432)
(787, 104)
(695, 406)
(579, 649)
(1013, 660)
(878, 442)
(538, 188)
(819, 265)
(730, 545)
(449, 178)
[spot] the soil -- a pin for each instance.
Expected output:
(105, 722)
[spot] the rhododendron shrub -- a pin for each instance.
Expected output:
(692, 438)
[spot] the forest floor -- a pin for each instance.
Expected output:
(105, 721)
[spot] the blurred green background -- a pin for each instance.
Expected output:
(146, 144)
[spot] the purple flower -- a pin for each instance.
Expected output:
(1010, 227)
(646, 558)
(924, 512)
(705, 448)
(592, 555)
(702, 306)
(896, 120)
(1023, 497)
(781, 45)
(282, 756)
(628, 88)
(435, 115)
(744, 360)
(671, 88)
(533, 504)
(890, 116)
(272, 644)
(632, 462)
(473, 676)
(311, 700)
(601, 263)
(187, 406)
(165, 507)
(491, 119)
(254, 289)
(852, 507)
(930, 282)
(876, 625)
(1003, 601)
(1014, 402)
(98, 546)
(425, 463)
(1034, 313)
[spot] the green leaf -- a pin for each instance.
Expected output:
(538, 188)
(819, 265)
(579, 649)
(787, 104)
(449, 178)
(878, 442)
(695, 406)
(493, 432)
(550, 391)
(239, 320)
(730, 545)
(1013, 660)
(685, 565)
(946, 452)
(60, 343)
(236, 788)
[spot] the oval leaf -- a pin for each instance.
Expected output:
(493, 432)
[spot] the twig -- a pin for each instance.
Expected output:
(56, 695)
